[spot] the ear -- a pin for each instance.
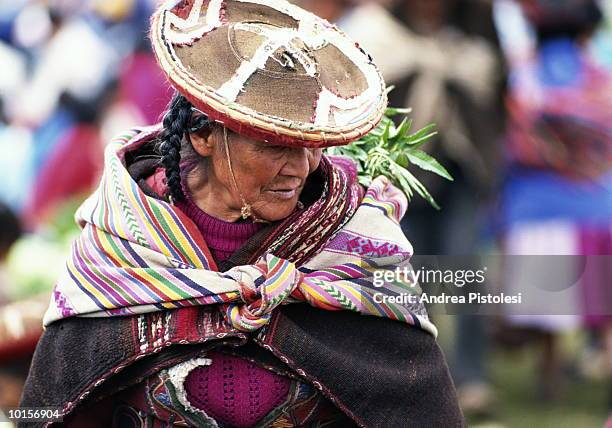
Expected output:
(203, 143)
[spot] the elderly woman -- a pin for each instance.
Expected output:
(231, 275)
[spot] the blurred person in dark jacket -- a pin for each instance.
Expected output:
(13, 375)
(10, 231)
(450, 77)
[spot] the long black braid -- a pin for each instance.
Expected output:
(177, 123)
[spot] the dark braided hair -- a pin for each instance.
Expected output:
(177, 123)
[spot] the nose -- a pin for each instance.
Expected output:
(298, 163)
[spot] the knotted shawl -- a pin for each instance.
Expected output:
(140, 254)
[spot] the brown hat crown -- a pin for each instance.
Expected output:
(270, 70)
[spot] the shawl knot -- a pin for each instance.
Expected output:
(261, 294)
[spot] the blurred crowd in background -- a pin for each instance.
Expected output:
(520, 92)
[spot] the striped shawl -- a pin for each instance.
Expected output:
(139, 254)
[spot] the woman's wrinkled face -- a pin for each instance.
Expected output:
(270, 178)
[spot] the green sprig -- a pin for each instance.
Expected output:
(389, 150)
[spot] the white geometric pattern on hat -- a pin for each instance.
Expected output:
(331, 109)
(211, 21)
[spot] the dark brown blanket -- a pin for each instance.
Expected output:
(381, 373)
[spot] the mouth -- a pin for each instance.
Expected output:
(284, 194)
(285, 191)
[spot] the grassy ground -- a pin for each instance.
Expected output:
(581, 403)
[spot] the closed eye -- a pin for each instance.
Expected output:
(271, 150)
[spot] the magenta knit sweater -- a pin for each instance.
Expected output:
(231, 390)
(223, 238)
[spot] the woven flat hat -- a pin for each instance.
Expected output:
(269, 70)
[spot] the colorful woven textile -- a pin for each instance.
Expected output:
(139, 254)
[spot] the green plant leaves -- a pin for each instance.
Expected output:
(426, 162)
(389, 150)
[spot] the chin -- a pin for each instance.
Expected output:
(277, 211)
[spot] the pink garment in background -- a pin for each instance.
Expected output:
(73, 169)
(142, 84)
